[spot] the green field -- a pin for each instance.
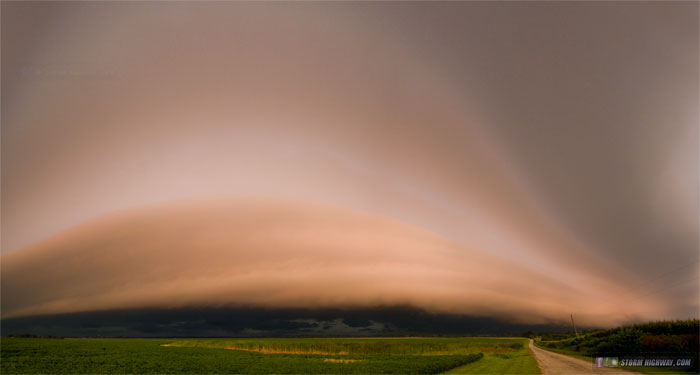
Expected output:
(473, 355)
(519, 362)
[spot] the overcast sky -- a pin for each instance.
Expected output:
(561, 136)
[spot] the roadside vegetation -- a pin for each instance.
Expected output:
(673, 338)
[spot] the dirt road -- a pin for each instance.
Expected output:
(559, 364)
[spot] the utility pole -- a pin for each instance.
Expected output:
(574, 325)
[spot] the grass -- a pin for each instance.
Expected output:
(416, 346)
(518, 362)
(256, 356)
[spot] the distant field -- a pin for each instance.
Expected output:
(268, 355)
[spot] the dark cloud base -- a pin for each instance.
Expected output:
(256, 322)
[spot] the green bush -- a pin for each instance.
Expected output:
(681, 336)
(626, 341)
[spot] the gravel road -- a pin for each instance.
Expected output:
(559, 364)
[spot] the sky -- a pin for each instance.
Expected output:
(520, 160)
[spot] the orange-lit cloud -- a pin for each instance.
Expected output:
(282, 254)
(561, 155)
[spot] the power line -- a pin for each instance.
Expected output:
(661, 290)
(659, 277)
(663, 275)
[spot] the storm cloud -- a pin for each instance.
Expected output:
(248, 321)
(523, 160)
(277, 254)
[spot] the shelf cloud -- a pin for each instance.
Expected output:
(277, 254)
(521, 160)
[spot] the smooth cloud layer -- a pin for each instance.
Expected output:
(562, 137)
(284, 255)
